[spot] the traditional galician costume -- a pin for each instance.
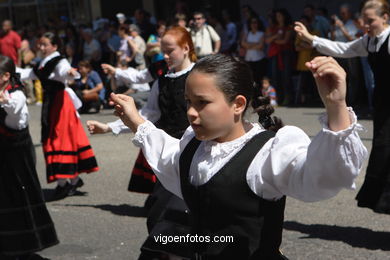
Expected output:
(65, 144)
(25, 223)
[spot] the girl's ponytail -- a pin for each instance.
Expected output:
(262, 106)
(15, 80)
(192, 55)
(8, 65)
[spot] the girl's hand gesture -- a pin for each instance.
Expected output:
(108, 69)
(73, 72)
(96, 127)
(330, 78)
(3, 97)
(126, 110)
(303, 33)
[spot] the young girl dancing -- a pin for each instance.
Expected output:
(167, 108)
(227, 170)
(375, 192)
(25, 224)
(65, 144)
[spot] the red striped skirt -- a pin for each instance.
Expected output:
(142, 177)
(67, 149)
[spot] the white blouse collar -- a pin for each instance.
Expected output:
(384, 33)
(47, 58)
(179, 73)
(223, 149)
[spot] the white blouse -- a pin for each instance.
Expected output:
(133, 76)
(60, 73)
(151, 110)
(351, 49)
(17, 113)
(121, 80)
(288, 164)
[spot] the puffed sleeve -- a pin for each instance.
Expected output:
(151, 110)
(291, 165)
(16, 109)
(61, 72)
(118, 127)
(26, 73)
(162, 152)
(133, 76)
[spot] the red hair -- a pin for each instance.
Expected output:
(183, 38)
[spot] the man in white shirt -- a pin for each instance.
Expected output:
(203, 37)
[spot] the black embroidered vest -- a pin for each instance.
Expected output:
(50, 89)
(226, 206)
(173, 119)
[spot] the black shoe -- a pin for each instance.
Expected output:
(61, 192)
(73, 188)
(32, 257)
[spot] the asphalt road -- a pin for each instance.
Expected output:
(105, 221)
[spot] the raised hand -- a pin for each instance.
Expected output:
(96, 127)
(3, 97)
(330, 78)
(73, 72)
(302, 32)
(127, 111)
(108, 69)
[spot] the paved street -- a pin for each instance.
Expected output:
(105, 221)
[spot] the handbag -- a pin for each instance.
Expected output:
(91, 96)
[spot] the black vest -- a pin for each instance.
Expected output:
(225, 205)
(50, 89)
(158, 69)
(380, 64)
(173, 119)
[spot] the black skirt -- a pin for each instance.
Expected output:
(25, 223)
(168, 216)
(375, 192)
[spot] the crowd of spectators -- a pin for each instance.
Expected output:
(268, 44)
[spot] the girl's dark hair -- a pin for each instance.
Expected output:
(124, 28)
(287, 17)
(85, 64)
(8, 65)
(54, 39)
(234, 77)
(260, 25)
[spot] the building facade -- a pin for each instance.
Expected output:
(39, 12)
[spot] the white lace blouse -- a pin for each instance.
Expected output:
(16, 108)
(288, 164)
